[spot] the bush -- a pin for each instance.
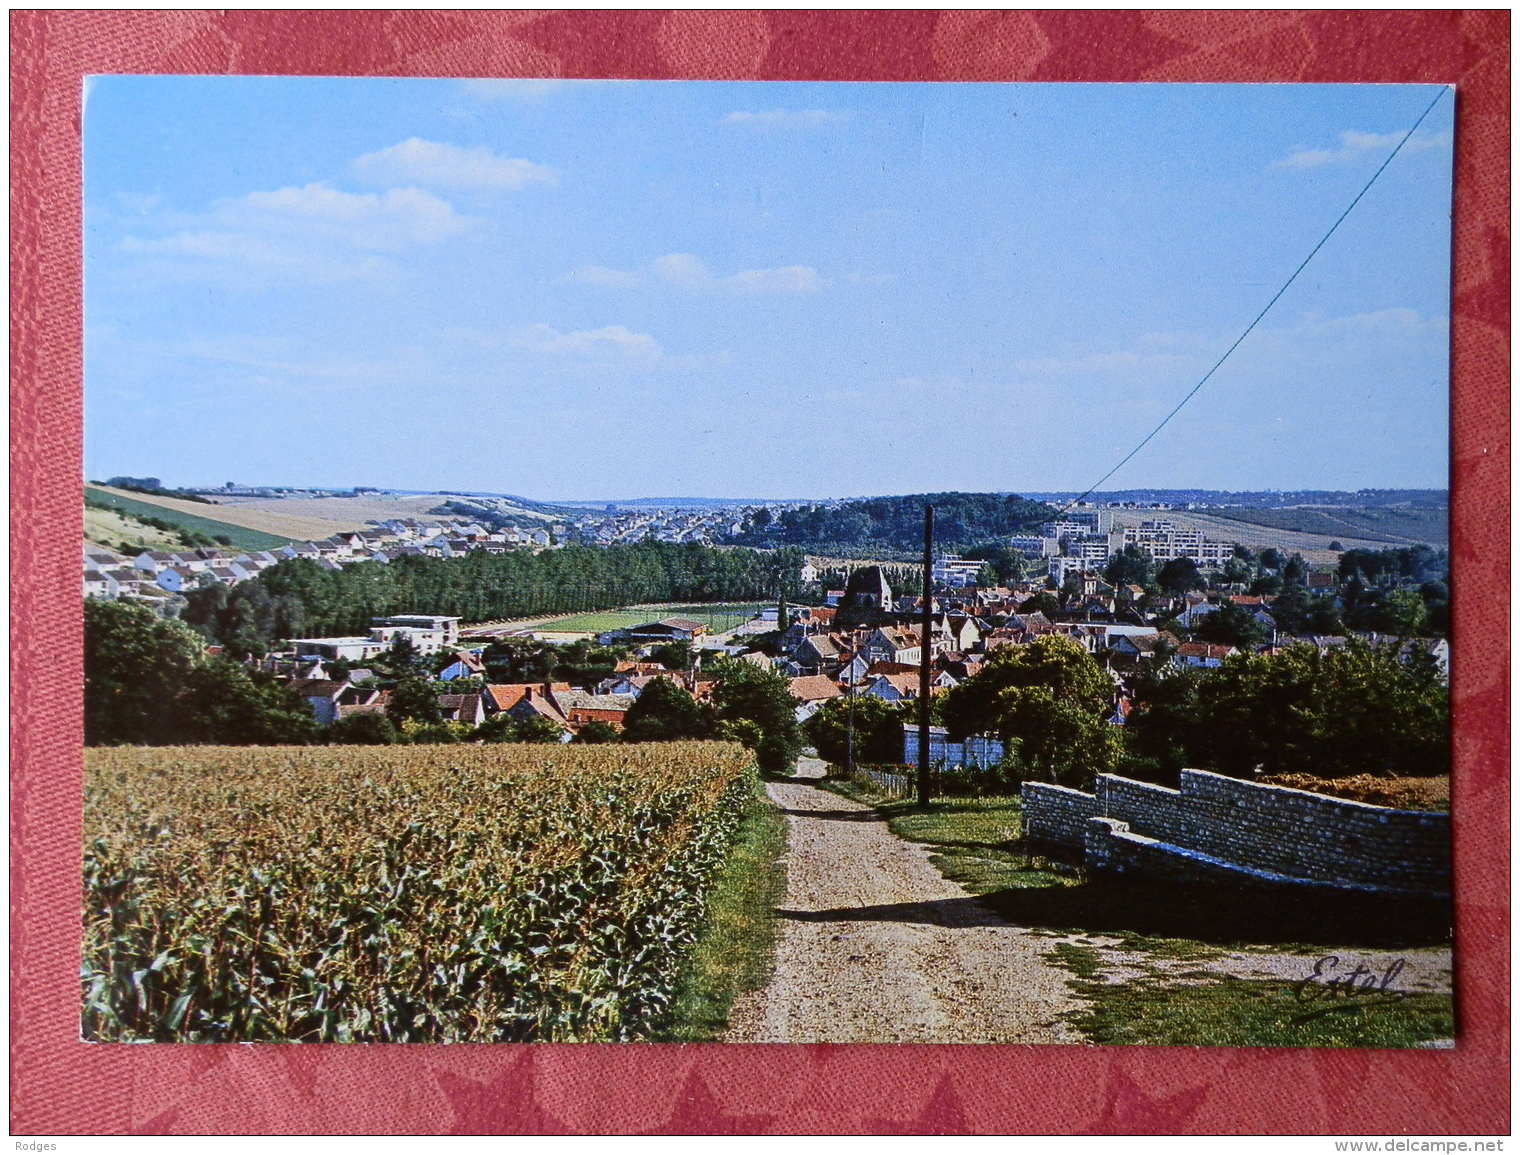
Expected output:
(362, 730)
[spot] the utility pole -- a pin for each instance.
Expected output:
(925, 652)
(849, 729)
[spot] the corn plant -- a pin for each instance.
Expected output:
(397, 894)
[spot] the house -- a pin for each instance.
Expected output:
(1141, 645)
(1202, 655)
(100, 584)
(430, 633)
(817, 653)
(464, 665)
(499, 696)
(665, 630)
(579, 707)
(151, 561)
(466, 708)
(814, 688)
(328, 697)
(892, 687)
(893, 644)
(1321, 582)
(1196, 612)
(347, 649)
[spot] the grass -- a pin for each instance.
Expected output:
(112, 528)
(976, 843)
(735, 951)
(240, 537)
(717, 616)
(1230, 1012)
(976, 840)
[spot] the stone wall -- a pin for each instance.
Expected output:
(1214, 827)
(1056, 814)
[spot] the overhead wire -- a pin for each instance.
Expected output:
(1256, 320)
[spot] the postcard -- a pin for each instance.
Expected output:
(419, 708)
(763, 563)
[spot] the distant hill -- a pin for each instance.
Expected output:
(1262, 498)
(895, 523)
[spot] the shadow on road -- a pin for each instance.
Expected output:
(836, 815)
(1214, 915)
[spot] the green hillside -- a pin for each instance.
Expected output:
(236, 534)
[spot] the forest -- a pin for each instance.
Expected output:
(298, 598)
(896, 523)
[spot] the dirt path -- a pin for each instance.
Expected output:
(877, 946)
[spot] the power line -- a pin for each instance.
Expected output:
(1144, 441)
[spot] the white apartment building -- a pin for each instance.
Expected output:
(953, 570)
(1165, 540)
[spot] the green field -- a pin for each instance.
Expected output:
(717, 617)
(240, 537)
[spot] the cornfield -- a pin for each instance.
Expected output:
(397, 894)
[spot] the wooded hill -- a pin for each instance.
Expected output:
(897, 523)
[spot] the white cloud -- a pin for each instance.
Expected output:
(396, 218)
(426, 162)
(688, 271)
(616, 339)
(313, 233)
(1357, 145)
(786, 118)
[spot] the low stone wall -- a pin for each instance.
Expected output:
(1056, 814)
(1214, 827)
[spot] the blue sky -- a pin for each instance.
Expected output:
(616, 289)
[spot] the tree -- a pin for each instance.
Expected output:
(135, 668)
(1231, 625)
(595, 734)
(1296, 572)
(747, 692)
(1130, 566)
(222, 703)
(413, 700)
(1050, 698)
(538, 729)
(1404, 613)
(1359, 709)
(1041, 603)
(403, 657)
(664, 712)
(369, 729)
(878, 730)
(1271, 559)
(1053, 739)
(1161, 725)
(673, 655)
(1180, 575)
(1336, 546)
(338, 669)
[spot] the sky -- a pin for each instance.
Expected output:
(578, 290)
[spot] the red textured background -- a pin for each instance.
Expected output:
(62, 1086)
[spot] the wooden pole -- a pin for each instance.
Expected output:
(926, 650)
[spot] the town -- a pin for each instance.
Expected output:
(1135, 599)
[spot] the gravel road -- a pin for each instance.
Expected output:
(876, 946)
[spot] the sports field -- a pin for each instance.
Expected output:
(717, 617)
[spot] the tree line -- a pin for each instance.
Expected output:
(298, 597)
(896, 523)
